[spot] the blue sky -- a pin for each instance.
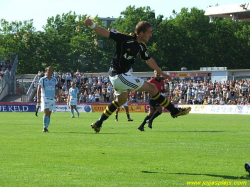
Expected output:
(40, 10)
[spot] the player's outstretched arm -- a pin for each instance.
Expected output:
(99, 30)
(151, 63)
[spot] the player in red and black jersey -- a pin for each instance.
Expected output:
(128, 47)
(155, 109)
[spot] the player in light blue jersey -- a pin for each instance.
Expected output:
(46, 92)
(73, 98)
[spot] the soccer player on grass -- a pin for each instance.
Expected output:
(46, 92)
(127, 112)
(73, 98)
(127, 48)
(155, 109)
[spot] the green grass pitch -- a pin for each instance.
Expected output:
(192, 150)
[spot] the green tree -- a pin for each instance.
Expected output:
(21, 39)
(185, 39)
(68, 44)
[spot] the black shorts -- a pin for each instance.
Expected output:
(153, 104)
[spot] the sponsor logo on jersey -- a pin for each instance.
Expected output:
(127, 56)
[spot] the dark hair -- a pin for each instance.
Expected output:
(142, 27)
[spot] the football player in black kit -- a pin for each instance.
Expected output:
(127, 48)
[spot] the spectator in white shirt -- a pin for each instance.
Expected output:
(91, 80)
(91, 98)
(97, 96)
(69, 78)
(55, 74)
(81, 98)
(78, 72)
(7, 72)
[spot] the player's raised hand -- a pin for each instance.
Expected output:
(99, 30)
(88, 22)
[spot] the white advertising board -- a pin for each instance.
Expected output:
(80, 108)
(218, 109)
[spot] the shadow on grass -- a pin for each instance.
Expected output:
(211, 175)
(199, 131)
(149, 172)
(83, 133)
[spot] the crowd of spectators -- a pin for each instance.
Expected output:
(99, 89)
(231, 92)
(5, 66)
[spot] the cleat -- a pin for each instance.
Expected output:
(78, 114)
(130, 119)
(116, 119)
(72, 116)
(36, 115)
(181, 112)
(141, 128)
(149, 124)
(96, 126)
(45, 130)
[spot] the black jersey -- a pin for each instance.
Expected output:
(127, 48)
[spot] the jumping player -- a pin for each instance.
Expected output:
(127, 48)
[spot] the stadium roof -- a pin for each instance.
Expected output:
(235, 12)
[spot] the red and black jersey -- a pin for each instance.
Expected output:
(127, 48)
(159, 84)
